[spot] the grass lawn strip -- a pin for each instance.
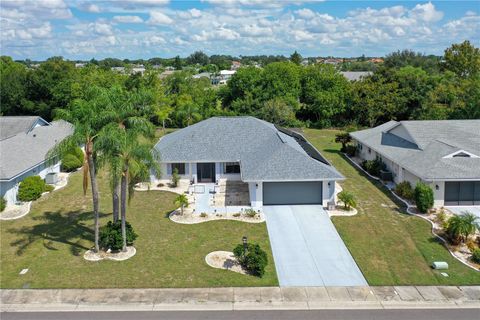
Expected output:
(51, 240)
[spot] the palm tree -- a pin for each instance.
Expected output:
(462, 226)
(348, 199)
(131, 160)
(182, 201)
(87, 117)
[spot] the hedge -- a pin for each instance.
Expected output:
(254, 261)
(423, 197)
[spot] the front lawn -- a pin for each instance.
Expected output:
(51, 240)
(390, 247)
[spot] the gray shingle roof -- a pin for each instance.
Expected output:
(26, 150)
(10, 126)
(265, 154)
(430, 142)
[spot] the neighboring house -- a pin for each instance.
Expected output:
(279, 165)
(223, 76)
(207, 75)
(24, 144)
(355, 75)
(444, 154)
(235, 65)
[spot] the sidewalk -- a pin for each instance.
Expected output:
(260, 298)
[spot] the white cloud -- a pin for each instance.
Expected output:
(157, 17)
(127, 19)
(102, 28)
(426, 12)
(301, 35)
(305, 13)
(92, 8)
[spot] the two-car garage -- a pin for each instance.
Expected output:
(292, 193)
(462, 193)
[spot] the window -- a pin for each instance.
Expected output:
(231, 167)
(179, 166)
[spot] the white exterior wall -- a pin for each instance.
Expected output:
(438, 195)
(255, 190)
(410, 177)
(191, 172)
(9, 189)
(364, 154)
(328, 192)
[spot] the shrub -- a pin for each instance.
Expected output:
(70, 163)
(404, 189)
(476, 255)
(203, 214)
(111, 235)
(423, 197)
(175, 178)
(250, 213)
(49, 188)
(72, 159)
(254, 261)
(373, 166)
(348, 199)
(3, 204)
(236, 215)
(31, 188)
(350, 150)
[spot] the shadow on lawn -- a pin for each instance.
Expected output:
(54, 227)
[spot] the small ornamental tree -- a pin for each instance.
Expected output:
(343, 138)
(254, 259)
(460, 227)
(111, 235)
(423, 197)
(72, 159)
(348, 199)
(31, 188)
(182, 201)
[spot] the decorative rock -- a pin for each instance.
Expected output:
(90, 255)
(224, 260)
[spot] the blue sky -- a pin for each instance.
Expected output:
(83, 29)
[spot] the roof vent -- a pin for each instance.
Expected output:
(461, 154)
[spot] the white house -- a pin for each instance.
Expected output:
(279, 165)
(24, 144)
(442, 153)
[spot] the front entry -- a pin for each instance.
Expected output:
(206, 172)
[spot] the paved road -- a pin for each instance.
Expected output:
(404, 314)
(308, 250)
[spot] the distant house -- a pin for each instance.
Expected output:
(236, 65)
(118, 69)
(166, 73)
(445, 154)
(356, 75)
(223, 77)
(24, 144)
(202, 75)
(80, 65)
(376, 60)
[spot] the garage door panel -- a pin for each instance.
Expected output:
(463, 193)
(280, 193)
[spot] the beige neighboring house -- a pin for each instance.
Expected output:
(445, 154)
(24, 144)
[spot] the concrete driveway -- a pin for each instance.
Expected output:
(459, 210)
(307, 248)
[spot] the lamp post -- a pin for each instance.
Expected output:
(244, 240)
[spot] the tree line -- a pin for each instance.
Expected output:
(408, 85)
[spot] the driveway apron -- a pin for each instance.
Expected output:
(308, 250)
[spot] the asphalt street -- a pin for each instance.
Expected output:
(398, 314)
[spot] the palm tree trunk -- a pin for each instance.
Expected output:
(116, 199)
(124, 207)
(93, 180)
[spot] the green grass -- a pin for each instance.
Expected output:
(390, 247)
(51, 240)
